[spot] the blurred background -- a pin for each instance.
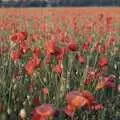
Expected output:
(48, 3)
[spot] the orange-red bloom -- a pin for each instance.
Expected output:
(75, 99)
(51, 47)
(19, 37)
(43, 112)
(103, 61)
(90, 98)
(31, 65)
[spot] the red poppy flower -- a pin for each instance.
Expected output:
(43, 112)
(90, 98)
(45, 91)
(31, 65)
(85, 46)
(70, 111)
(81, 59)
(91, 104)
(62, 53)
(24, 47)
(37, 52)
(73, 46)
(37, 117)
(36, 37)
(51, 47)
(75, 99)
(58, 69)
(43, 27)
(19, 37)
(36, 61)
(109, 20)
(16, 55)
(98, 47)
(14, 38)
(103, 61)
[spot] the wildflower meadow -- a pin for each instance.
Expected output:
(60, 64)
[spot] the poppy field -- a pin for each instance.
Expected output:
(60, 63)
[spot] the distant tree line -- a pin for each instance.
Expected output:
(90, 2)
(43, 3)
(23, 4)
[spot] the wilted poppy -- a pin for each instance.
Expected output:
(107, 82)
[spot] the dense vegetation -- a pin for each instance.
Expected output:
(61, 3)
